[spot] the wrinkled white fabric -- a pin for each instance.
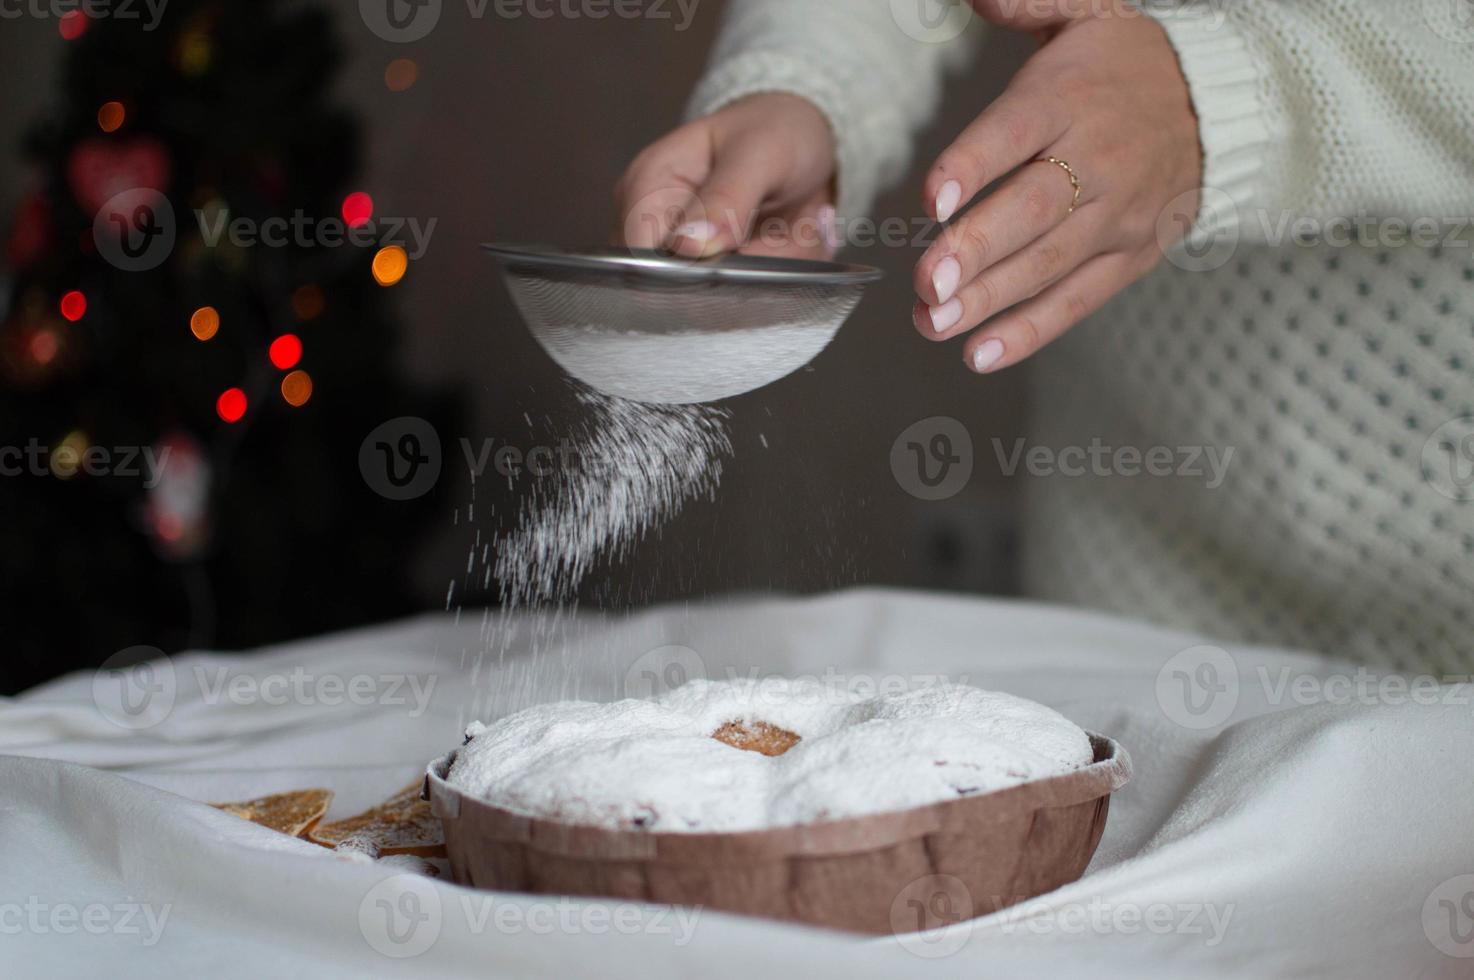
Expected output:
(1293, 839)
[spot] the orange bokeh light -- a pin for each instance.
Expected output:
(307, 302)
(296, 388)
(204, 323)
(401, 74)
(390, 264)
(110, 116)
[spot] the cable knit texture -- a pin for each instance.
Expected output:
(1326, 371)
(1223, 77)
(1334, 362)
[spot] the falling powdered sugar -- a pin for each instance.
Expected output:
(635, 466)
(623, 469)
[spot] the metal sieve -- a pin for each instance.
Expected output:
(653, 327)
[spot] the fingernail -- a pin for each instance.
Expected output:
(697, 231)
(946, 315)
(945, 277)
(987, 355)
(947, 199)
(829, 227)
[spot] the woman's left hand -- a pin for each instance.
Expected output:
(1106, 96)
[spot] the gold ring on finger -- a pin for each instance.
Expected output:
(1069, 172)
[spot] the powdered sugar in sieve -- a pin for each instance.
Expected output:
(651, 327)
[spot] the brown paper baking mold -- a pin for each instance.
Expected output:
(879, 873)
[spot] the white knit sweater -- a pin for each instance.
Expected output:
(1334, 371)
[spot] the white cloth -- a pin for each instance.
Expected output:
(1338, 373)
(1294, 839)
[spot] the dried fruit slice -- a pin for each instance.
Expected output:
(402, 824)
(757, 736)
(292, 813)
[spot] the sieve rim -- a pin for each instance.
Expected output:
(661, 266)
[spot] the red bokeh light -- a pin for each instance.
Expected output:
(231, 405)
(72, 25)
(44, 347)
(285, 351)
(358, 208)
(169, 527)
(73, 305)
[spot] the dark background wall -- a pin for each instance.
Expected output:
(515, 130)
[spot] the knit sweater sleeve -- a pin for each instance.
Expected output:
(1328, 109)
(873, 67)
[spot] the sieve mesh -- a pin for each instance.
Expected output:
(676, 339)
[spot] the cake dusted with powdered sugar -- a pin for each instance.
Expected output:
(748, 754)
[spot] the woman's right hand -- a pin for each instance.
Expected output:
(756, 176)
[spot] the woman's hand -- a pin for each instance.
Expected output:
(756, 176)
(1043, 17)
(1104, 95)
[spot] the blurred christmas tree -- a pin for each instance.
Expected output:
(181, 416)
